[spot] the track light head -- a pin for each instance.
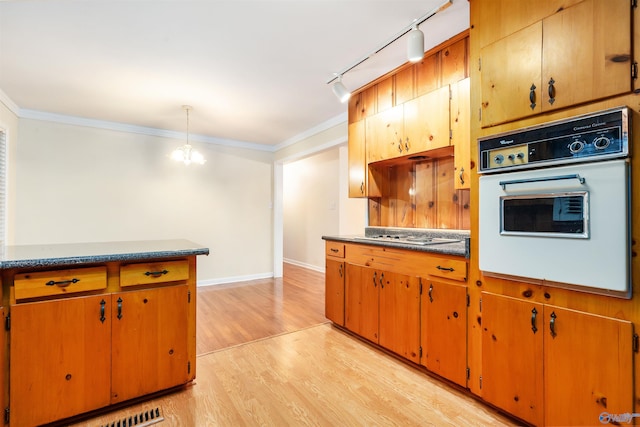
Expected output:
(415, 44)
(341, 91)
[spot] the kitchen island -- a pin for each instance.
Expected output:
(90, 325)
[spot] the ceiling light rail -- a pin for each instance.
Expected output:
(414, 40)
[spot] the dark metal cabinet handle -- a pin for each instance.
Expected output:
(532, 96)
(431, 292)
(382, 280)
(334, 250)
(552, 324)
(102, 306)
(340, 270)
(156, 273)
(552, 91)
(119, 308)
(534, 314)
(63, 283)
(362, 187)
(461, 176)
(375, 279)
(439, 267)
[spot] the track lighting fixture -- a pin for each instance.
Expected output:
(340, 90)
(186, 154)
(415, 49)
(415, 44)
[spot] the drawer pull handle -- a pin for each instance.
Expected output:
(335, 250)
(155, 273)
(102, 318)
(445, 268)
(119, 308)
(552, 325)
(62, 283)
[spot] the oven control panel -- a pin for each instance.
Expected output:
(592, 137)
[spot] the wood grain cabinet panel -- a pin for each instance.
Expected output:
(568, 58)
(59, 282)
(149, 344)
(534, 356)
(60, 359)
(357, 159)
(426, 122)
(153, 272)
(361, 301)
(444, 330)
(334, 290)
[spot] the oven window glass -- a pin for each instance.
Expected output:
(546, 215)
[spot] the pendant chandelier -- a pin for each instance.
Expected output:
(186, 154)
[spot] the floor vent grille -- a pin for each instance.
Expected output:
(142, 419)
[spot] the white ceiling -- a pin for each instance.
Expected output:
(254, 71)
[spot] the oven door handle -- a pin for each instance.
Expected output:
(504, 184)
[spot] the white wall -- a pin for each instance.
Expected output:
(310, 207)
(316, 203)
(9, 124)
(81, 184)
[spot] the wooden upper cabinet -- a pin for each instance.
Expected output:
(461, 131)
(427, 74)
(570, 57)
(500, 18)
(385, 94)
(454, 62)
(583, 57)
(385, 132)
(357, 160)
(362, 104)
(426, 122)
(405, 85)
(511, 76)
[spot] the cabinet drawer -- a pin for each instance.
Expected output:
(448, 268)
(153, 272)
(61, 282)
(335, 249)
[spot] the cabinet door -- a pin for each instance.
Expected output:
(357, 160)
(444, 330)
(400, 314)
(60, 358)
(511, 76)
(587, 53)
(426, 122)
(512, 356)
(460, 131)
(589, 358)
(149, 338)
(385, 132)
(361, 301)
(334, 291)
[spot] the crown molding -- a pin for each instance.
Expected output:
(8, 102)
(334, 121)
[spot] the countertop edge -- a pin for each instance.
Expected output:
(100, 256)
(460, 249)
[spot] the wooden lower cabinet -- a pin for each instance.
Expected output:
(444, 330)
(60, 359)
(148, 341)
(384, 307)
(334, 291)
(555, 366)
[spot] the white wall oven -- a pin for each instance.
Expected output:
(555, 204)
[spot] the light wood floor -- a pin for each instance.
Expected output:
(262, 362)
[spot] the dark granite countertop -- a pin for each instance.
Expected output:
(54, 255)
(458, 248)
